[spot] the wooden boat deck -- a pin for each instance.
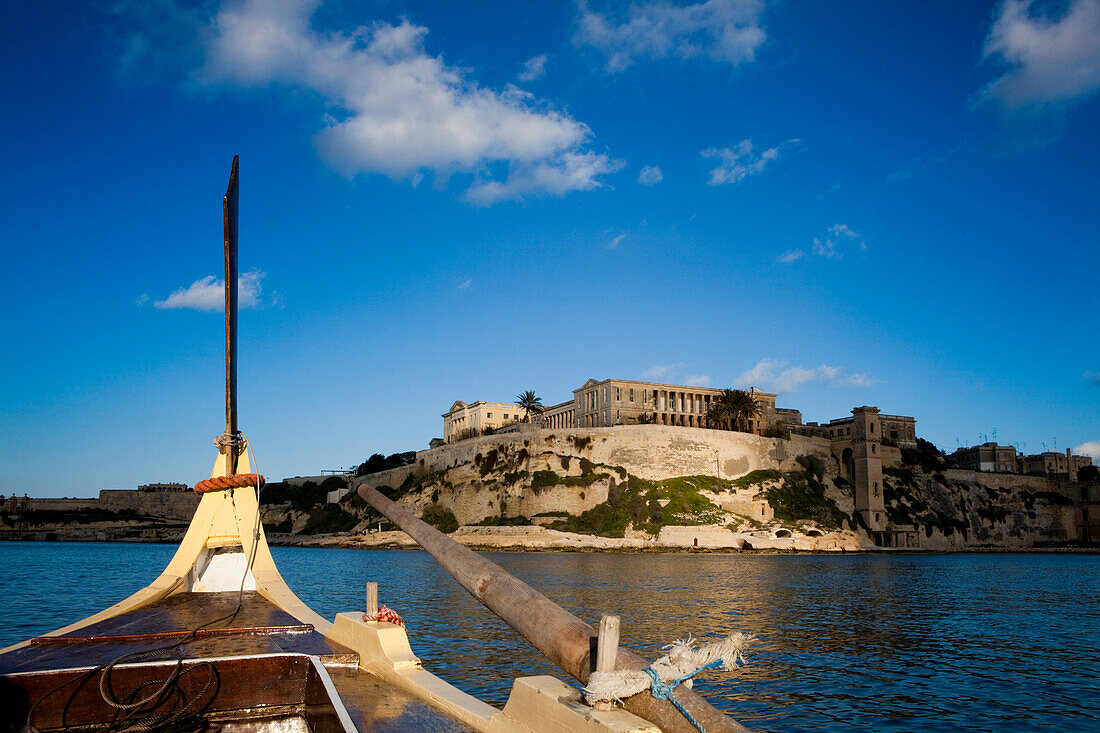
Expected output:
(260, 627)
(257, 653)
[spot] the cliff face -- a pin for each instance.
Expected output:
(639, 480)
(955, 509)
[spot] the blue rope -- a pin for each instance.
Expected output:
(663, 691)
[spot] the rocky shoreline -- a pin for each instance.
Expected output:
(539, 539)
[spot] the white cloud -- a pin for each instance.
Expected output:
(776, 375)
(144, 298)
(616, 242)
(396, 110)
(739, 162)
(650, 175)
(697, 380)
(662, 371)
(533, 68)
(791, 255)
(723, 30)
(860, 380)
(831, 246)
(465, 284)
(208, 294)
(1052, 60)
(1093, 377)
(558, 175)
(1091, 448)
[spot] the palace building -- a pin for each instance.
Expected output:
(610, 402)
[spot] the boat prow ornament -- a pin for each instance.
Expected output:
(219, 636)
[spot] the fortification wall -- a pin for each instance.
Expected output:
(648, 451)
(167, 504)
(53, 505)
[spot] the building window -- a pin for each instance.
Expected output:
(872, 444)
(618, 395)
(488, 415)
(631, 394)
(875, 485)
(872, 427)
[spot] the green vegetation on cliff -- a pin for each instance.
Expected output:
(648, 505)
(800, 495)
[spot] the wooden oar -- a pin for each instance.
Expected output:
(566, 640)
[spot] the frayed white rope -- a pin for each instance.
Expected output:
(684, 659)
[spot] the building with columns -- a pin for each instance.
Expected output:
(598, 404)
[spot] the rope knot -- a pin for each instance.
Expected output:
(384, 614)
(660, 690)
(225, 440)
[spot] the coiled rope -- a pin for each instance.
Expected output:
(683, 661)
(237, 481)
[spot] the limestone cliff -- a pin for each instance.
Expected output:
(643, 481)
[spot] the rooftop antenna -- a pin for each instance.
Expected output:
(229, 226)
(1055, 443)
(994, 435)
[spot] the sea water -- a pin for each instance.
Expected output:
(970, 642)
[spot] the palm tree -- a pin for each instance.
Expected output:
(740, 406)
(732, 409)
(530, 404)
(715, 416)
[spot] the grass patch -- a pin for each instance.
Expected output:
(440, 517)
(802, 496)
(504, 522)
(637, 502)
(753, 478)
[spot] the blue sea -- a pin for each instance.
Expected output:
(846, 643)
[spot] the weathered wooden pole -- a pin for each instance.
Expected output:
(607, 650)
(372, 598)
(229, 226)
(566, 640)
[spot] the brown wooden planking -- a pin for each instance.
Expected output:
(186, 611)
(49, 656)
(169, 635)
(243, 684)
(176, 615)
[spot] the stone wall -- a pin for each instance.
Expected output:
(16, 504)
(165, 504)
(648, 451)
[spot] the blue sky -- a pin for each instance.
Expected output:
(849, 203)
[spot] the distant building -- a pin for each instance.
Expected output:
(986, 457)
(559, 416)
(465, 419)
(896, 430)
(164, 487)
(1052, 463)
(610, 402)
